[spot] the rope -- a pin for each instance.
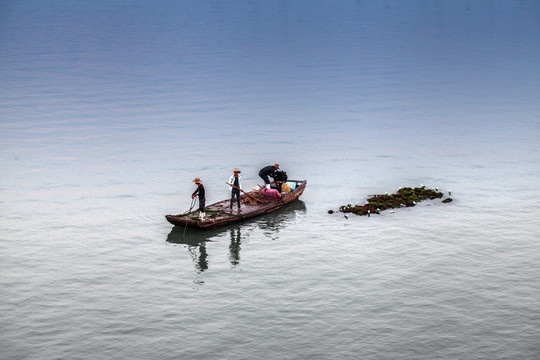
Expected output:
(191, 207)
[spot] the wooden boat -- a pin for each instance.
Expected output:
(253, 204)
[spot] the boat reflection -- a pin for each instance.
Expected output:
(196, 241)
(274, 222)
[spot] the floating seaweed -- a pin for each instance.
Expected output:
(405, 197)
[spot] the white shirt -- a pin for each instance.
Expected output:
(231, 181)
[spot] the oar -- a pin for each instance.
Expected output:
(253, 197)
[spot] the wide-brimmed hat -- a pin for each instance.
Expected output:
(237, 170)
(197, 181)
(276, 165)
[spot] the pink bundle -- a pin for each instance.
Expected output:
(271, 193)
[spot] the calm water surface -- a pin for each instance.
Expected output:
(108, 111)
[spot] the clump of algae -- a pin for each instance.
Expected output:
(404, 197)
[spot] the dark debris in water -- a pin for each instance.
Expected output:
(405, 197)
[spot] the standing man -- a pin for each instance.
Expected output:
(235, 180)
(202, 196)
(268, 171)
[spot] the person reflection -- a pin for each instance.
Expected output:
(234, 247)
(200, 259)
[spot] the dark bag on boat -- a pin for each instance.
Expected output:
(281, 176)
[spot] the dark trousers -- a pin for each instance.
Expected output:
(235, 192)
(264, 177)
(202, 202)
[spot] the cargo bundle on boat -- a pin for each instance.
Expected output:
(254, 203)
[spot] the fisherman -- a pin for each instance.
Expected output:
(202, 197)
(235, 180)
(268, 171)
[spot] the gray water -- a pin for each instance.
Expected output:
(109, 110)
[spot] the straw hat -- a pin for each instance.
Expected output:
(236, 170)
(276, 165)
(197, 181)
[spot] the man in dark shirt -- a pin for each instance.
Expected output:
(268, 171)
(202, 196)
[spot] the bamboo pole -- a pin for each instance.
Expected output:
(253, 197)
